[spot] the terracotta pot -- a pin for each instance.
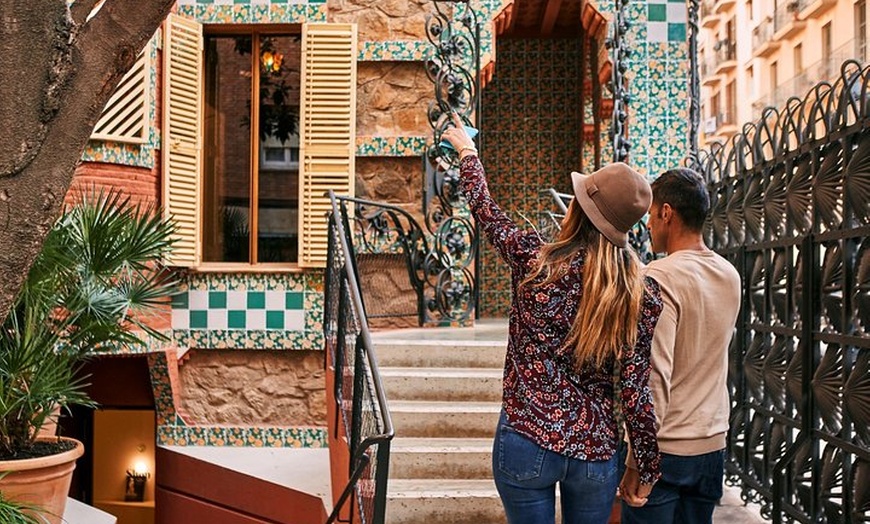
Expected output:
(49, 429)
(43, 481)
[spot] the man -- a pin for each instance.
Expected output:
(701, 293)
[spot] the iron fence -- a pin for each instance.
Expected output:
(790, 208)
(358, 391)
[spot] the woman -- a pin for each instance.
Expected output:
(579, 307)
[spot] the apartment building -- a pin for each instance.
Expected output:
(759, 53)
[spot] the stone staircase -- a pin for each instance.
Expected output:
(444, 391)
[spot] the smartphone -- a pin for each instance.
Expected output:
(472, 132)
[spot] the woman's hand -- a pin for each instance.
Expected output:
(458, 138)
(632, 491)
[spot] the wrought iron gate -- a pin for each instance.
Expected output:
(790, 202)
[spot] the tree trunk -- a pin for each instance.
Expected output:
(59, 69)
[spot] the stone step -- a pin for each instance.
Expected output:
(441, 458)
(419, 418)
(463, 384)
(416, 501)
(439, 353)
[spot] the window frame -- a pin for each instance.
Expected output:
(255, 31)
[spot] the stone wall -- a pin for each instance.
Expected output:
(383, 19)
(256, 388)
(397, 180)
(392, 98)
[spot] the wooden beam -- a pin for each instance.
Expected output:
(551, 13)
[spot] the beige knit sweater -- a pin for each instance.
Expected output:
(701, 293)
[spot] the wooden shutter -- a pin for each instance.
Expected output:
(182, 146)
(125, 117)
(327, 130)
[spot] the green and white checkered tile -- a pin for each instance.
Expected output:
(666, 21)
(241, 309)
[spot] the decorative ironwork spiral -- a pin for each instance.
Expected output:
(454, 32)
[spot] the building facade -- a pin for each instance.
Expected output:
(759, 53)
(239, 116)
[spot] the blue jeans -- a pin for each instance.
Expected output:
(687, 493)
(526, 476)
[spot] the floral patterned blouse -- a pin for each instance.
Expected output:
(545, 399)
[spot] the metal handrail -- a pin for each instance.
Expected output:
(366, 374)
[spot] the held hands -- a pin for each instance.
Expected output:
(632, 491)
(458, 138)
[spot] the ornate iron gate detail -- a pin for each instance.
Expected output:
(454, 31)
(790, 202)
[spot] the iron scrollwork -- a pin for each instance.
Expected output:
(448, 268)
(790, 209)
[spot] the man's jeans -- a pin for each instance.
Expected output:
(687, 493)
(526, 476)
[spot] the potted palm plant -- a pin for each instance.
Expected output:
(90, 289)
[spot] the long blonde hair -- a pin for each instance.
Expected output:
(613, 289)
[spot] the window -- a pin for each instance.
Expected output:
(798, 59)
(729, 114)
(750, 82)
(250, 211)
(774, 80)
(714, 106)
(828, 69)
(257, 127)
(861, 30)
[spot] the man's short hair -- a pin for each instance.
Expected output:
(686, 193)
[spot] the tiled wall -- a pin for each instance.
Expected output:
(533, 140)
(658, 76)
(249, 311)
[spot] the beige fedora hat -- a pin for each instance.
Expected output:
(614, 198)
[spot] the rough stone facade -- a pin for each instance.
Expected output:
(395, 180)
(392, 98)
(383, 19)
(254, 388)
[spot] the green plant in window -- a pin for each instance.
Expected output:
(279, 117)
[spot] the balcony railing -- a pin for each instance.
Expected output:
(709, 17)
(825, 70)
(763, 33)
(786, 19)
(708, 8)
(726, 51)
(809, 8)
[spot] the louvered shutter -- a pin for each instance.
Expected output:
(182, 147)
(327, 130)
(125, 117)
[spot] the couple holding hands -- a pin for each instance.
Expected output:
(592, 333)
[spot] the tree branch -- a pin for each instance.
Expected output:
(80, 10)
(64, 87)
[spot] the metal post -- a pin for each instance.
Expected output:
(618, 134)
(694, 85)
